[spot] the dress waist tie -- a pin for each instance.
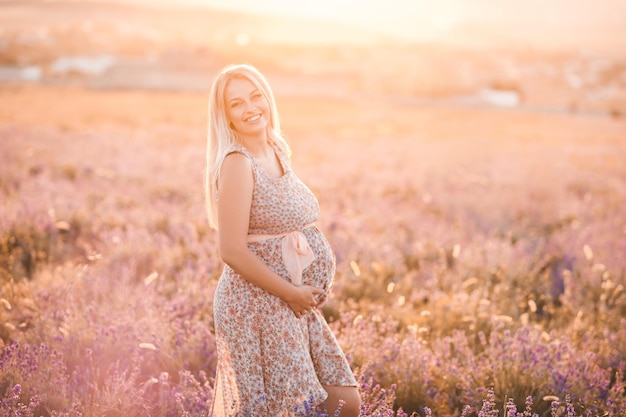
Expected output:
(297, 254)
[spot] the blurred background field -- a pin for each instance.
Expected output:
(472, 178)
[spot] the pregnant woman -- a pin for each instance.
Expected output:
(275, 350)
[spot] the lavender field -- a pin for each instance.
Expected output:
(481, 247)
(482, 254)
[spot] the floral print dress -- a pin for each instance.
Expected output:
(269, 361)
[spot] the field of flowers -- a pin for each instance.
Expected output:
(481, 254)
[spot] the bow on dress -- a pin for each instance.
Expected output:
(297, 254)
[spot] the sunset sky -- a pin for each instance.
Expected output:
(404, 15)
(548, 21)
(577, 24)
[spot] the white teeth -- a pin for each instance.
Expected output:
(253, 118)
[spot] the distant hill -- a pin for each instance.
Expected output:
(552, 25)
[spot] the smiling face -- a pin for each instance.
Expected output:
(247, 109)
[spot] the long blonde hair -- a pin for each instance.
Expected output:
(222, 138)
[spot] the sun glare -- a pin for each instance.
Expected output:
(397, 17)
(562, 22)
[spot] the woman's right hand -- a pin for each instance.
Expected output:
(303, 299)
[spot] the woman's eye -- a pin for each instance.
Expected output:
(257, 96)
(234, 104)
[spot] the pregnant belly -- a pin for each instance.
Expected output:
(319, 273)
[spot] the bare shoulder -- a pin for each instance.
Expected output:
(236, 166)
(236, 161)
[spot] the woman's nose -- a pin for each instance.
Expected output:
(248, 106)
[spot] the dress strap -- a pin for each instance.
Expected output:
(239, 149)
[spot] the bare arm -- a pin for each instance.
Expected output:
(235, 197)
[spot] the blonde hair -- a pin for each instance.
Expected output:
(222, 138)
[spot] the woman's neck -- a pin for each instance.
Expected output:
(256, 145)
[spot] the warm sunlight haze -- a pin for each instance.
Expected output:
(555, 23)
(467, 157)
